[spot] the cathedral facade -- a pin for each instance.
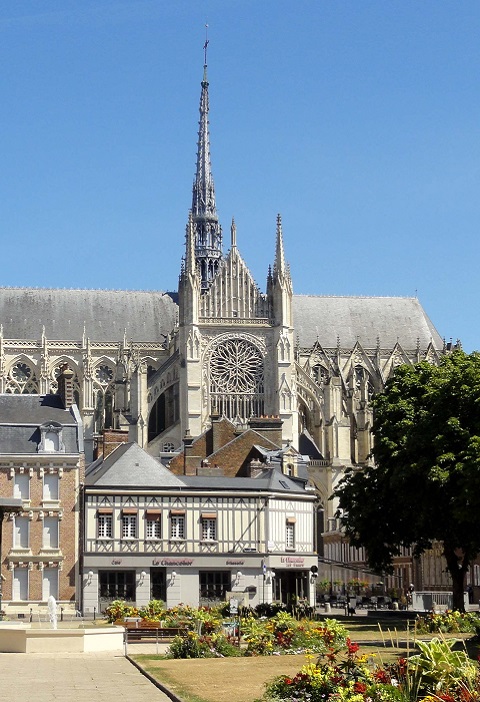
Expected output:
(160, 365)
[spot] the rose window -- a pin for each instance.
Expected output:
(21, 372)
(236, 366)
(236, 380)
(104, 374)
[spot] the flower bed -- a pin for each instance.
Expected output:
(203, 646)
(207, 620)
(448, 622)
(211, 635)
(436, 674)
(282, 633)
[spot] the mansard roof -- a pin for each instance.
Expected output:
(33, 409)
(130, 466)
(22, 415)
(268, 480)
(103, 314)
(369, 320)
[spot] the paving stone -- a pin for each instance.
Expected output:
(87, 677)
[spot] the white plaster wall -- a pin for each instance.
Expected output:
(142, 583)
(90, 592)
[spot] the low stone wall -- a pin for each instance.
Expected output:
(21, 638)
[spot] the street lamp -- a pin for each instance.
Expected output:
(7, 506)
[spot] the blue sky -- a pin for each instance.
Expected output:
(357, 120)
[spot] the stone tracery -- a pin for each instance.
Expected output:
(236, 378)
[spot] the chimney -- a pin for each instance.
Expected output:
(65, 386)
(255, 468)
(187, 453)
(217, 424)
(269, 427)
(109, 441)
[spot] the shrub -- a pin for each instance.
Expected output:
(119, 609)
(449, 622)
(266, 609)
(195, 646)
(154, 611)
(439, 668)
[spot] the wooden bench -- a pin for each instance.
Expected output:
(138, 630)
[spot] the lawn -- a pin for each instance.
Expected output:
(220, 679)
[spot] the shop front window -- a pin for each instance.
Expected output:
(214, 585)
(116, 585)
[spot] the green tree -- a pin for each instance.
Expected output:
(425, 485)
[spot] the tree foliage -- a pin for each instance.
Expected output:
(425, 485)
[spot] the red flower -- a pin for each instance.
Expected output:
(359, 687)
(382, 676)
(288, 681)
(352, 647)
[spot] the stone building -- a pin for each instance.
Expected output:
(42, 464)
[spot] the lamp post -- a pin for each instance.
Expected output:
(7, 507)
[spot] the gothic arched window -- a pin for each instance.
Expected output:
(103, 391)
(320, 373)
(361, 376)
(22, 380)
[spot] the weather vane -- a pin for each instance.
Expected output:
(206, 44)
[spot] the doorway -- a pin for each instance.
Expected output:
(290, 586)
(158, 584)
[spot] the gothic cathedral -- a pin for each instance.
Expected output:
(160, 365)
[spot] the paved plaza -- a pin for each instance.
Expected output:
(74, 677)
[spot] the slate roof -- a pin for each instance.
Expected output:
(33, 409)
(275, 460)
(267, 480)
(21, 416)
(130, 466)
(391, 319)
(308, 447)
(147, 315)
(104, 313)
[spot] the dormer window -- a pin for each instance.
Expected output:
(51, 441)
(51, 438)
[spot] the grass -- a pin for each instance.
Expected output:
(220, 679)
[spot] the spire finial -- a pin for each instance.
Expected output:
(233, 234)
(205, 46)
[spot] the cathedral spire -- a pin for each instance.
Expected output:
(207, 231)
